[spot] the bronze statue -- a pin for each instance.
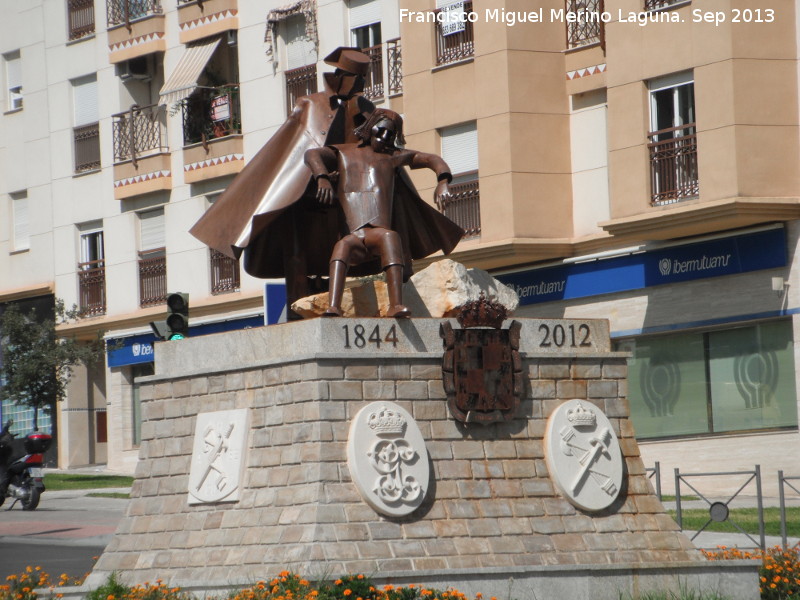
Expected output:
(270, 214)
(365, 191)
(269, 211)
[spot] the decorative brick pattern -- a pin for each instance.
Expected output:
(490, 500)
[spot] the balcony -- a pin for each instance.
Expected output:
(87, 148)
(135, 28)
(92, 288)
(673, 164)
(658, 4)
(198, 19)
(457, 46)
(224, 273)
(373, 84)
(152, 277)
(141, 161)
(80, 16)
(394, 55)
(464, 205)
(300, 82)
(212, 127)
(586, 32)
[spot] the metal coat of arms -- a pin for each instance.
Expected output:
(481, 367)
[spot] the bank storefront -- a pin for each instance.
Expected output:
(708, 323)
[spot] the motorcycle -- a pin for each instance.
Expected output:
(25, 477)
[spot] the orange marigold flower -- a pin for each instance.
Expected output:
(337, 582)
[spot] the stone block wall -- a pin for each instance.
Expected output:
(490, 502)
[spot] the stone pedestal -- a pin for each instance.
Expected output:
(491, 520)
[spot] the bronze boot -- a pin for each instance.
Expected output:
(394, 283)
(337, 274)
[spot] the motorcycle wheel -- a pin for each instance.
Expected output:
(31, 500)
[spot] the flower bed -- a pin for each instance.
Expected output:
(779, 575)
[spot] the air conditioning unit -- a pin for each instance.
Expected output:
(140, 68)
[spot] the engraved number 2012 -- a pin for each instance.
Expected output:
(559, 336)
(361, 339)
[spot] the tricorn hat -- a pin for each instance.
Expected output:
(351, 60)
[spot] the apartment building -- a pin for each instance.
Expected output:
(634, 160)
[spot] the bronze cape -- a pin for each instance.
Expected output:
(270, 206)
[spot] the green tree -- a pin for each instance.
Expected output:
(38, 362)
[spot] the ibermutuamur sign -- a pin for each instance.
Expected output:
(711, 258)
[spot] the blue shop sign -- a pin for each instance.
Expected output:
(137, 349)
(712, 258)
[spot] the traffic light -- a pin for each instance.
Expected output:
(177, 316)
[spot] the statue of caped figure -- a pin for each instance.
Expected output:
(270, 215)
(365, 192)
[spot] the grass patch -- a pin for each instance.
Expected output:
(68, 481)
(667, 498)
(746, 518)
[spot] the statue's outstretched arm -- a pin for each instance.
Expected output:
(420, 160)
(322, 162)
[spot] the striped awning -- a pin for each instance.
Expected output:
(183, 80)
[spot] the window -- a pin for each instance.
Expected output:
(81, 18)
(20, 216)
(460, 151)
(712, 382)
(365, 33)
(13, 70)
(673, 140)
(91, 271)
(152, 258)
(454, 41)
(86, 133)
(301, 61)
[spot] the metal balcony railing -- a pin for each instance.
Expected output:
(456, 46)
(300, 82)
(394, 56)
(152, 277)
(211, 113)
(80, 15)
(120, 12)
(673, 164)
(464, 206)
(87, 147)
(590, 30)
(656, 4)
(373, 86)
(92, 288)
(224, 273)
(139, 131)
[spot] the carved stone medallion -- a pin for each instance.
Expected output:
(583, 455)
(220, 441)
(481, 372)
(387, 459)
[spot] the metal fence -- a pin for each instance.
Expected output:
(125, 11)
(464, 206)
(394, 56)
(673, 164)
(81, 18)
(138, 131)
(590, 29)
(300, 82)
(92, 288)
(211, 113)
(455, 46)
(224, 273)
(87, 147)
(152, 278)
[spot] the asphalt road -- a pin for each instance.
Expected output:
(63, 535)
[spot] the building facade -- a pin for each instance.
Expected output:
(635, 160)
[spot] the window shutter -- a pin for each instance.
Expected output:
(13, 70)
(21, 223)
(152, 230)
(84, 98)
(299, 48)
(364, 12)
(460, 148)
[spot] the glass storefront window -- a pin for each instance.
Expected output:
(712, 382)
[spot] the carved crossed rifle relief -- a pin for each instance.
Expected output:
(583, 455)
